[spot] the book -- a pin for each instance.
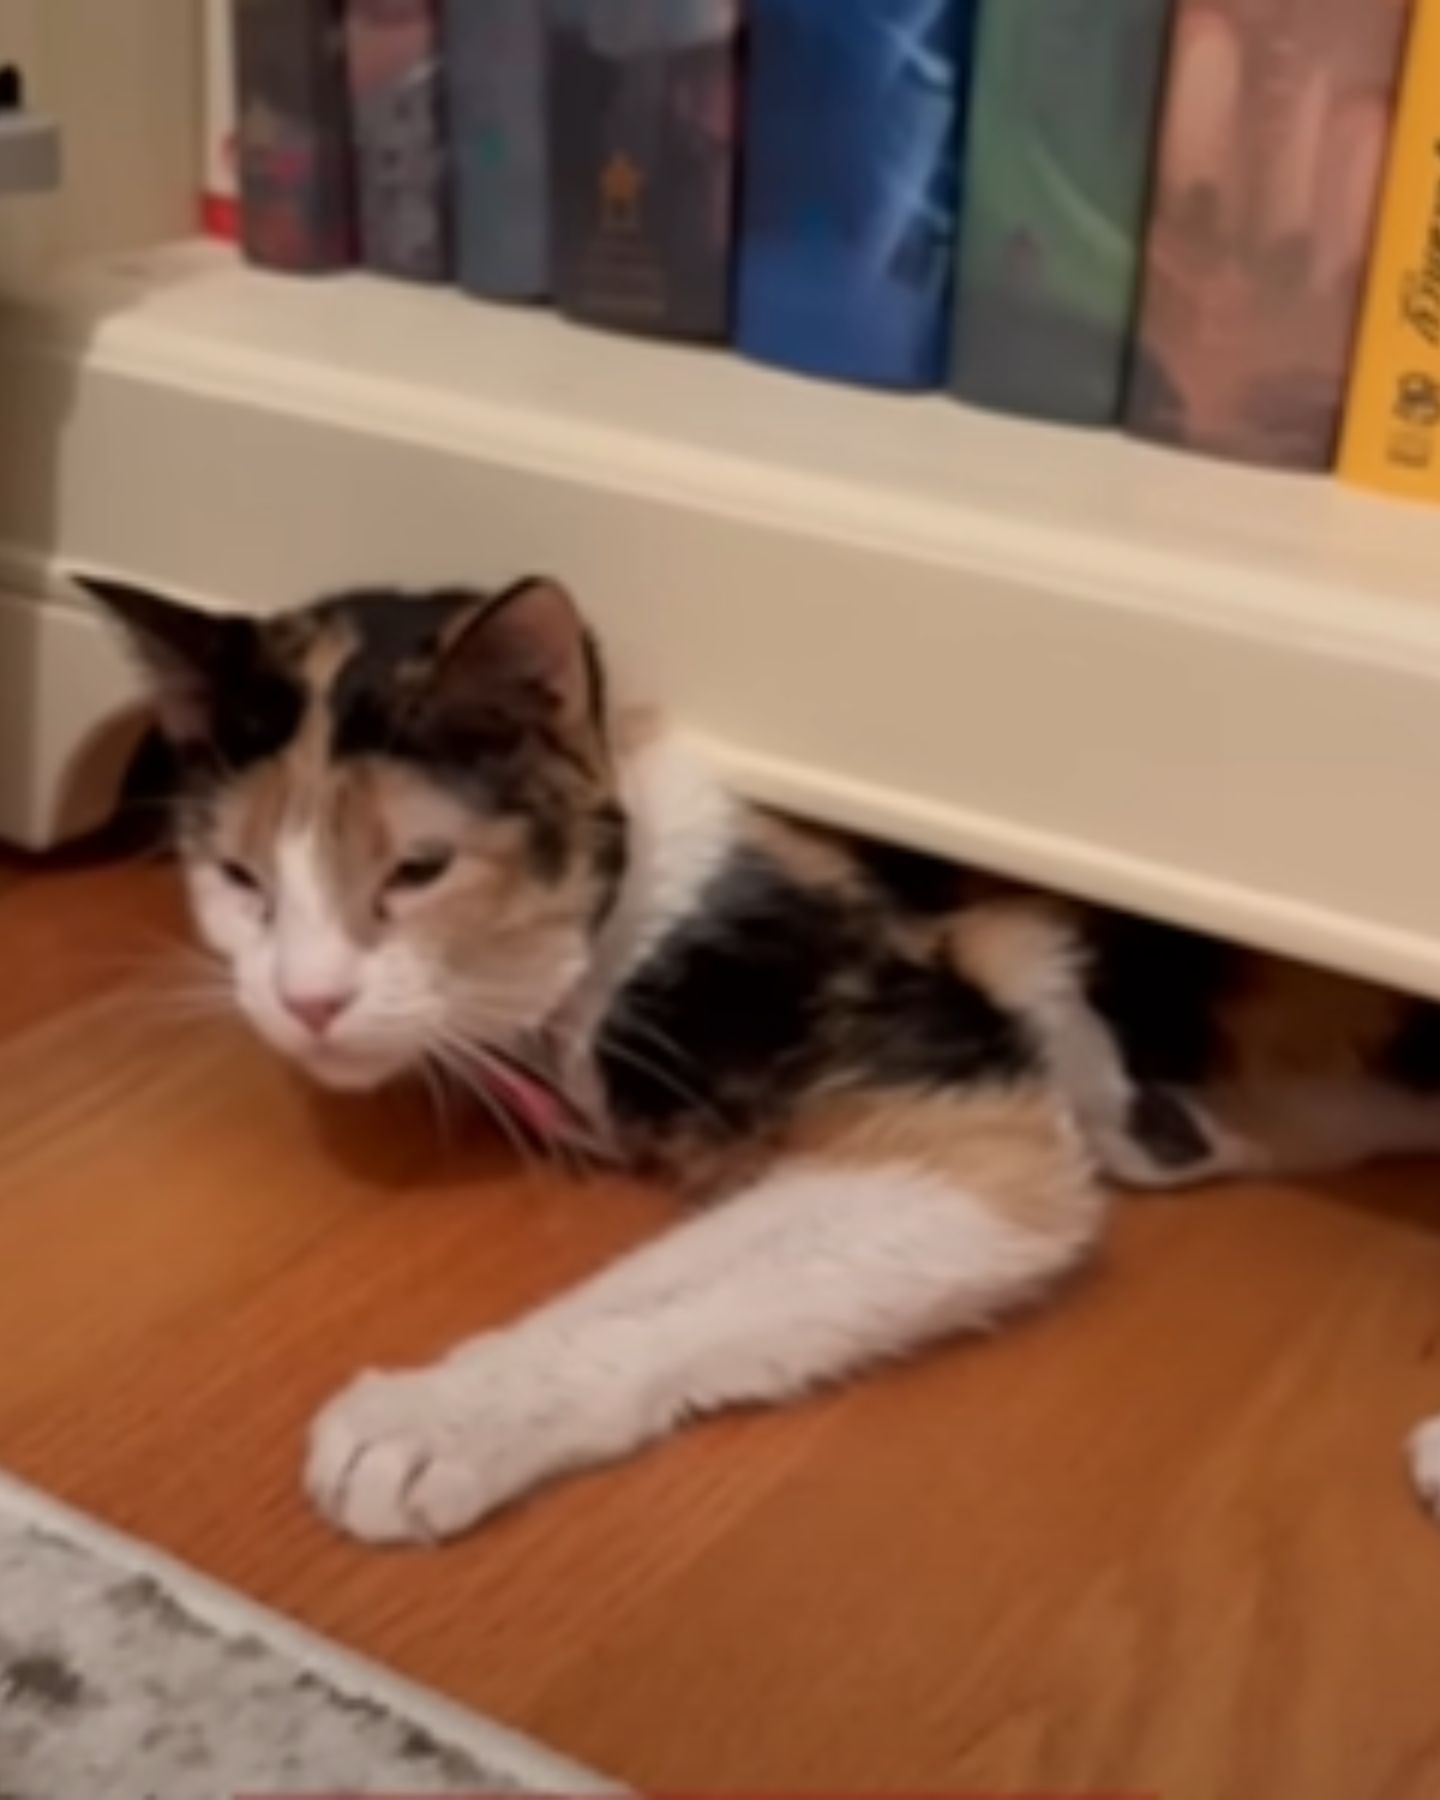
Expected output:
(1391, 436)
(1275, 123)
(642, 98)
(852, 121)
(401, 178)
(495, 72)
(1057, 166)
(293, 134)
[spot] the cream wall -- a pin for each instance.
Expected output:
(121, 76)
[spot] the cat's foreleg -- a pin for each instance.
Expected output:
(820, 1269)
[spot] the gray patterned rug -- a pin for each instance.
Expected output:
(125, 1675)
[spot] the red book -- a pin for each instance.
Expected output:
(293, 134)
(1277, 114)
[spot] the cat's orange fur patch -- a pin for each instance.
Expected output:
(1015, 1149)
(1015, 950)
(1290, 1019)
(807, 853)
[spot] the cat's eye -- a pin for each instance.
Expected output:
(239, 876)
(421, 869)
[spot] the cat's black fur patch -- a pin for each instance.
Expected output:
(776, 984)
(256, 719)
(1158, 987)
(234, 698)
(394, 631)
(395, 624)
(911, 880)
(501, 757)
(1412, 1057)
(1166, 1129)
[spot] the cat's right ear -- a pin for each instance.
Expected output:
(182, 651)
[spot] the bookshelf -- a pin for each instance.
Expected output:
(1199, 690)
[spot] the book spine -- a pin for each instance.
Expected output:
(393, 49)
(643, 98)
(1276, 118)
(219, 198)
(495, 83)
(851, 157)
(1057, 165)
(1391, 438)
(292, 134)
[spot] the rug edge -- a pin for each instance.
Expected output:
(530, 1765)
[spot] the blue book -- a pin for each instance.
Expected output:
(495, 76)
(852, 148)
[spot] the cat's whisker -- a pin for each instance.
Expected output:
(644, 1064)
(179, 988)
(434, 1083)
(567, 1150)
(654, 1061)
(151, 951)
(453, 1059)
(569, 1155)
(208, 1006)
(559, 1149)
(636, 1024)
(486, 1009)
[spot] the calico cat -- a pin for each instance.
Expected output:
(414, 830)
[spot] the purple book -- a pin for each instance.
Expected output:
(399, 135)
(292, 134)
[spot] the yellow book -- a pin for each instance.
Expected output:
(1391, 436)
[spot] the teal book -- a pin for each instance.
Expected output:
(1057, 171)
(496, 83)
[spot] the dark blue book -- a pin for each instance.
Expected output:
(495, 73)
(643, 111)
(852, 136)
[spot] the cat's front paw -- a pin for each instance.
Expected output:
(411, 1458)
(1424, 1451)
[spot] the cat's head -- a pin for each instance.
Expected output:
(398, 813)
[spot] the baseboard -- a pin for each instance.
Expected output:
(70, 718)
(1201, 692)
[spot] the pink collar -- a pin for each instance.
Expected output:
(542, 1107)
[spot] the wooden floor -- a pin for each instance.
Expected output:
(1156, 1540)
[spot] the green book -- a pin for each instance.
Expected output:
(1057, 169)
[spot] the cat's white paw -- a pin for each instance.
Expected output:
(1424, 1451)
(414, 1457)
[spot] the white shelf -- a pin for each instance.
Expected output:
(1199, 690)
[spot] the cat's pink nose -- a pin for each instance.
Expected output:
(316, 1012)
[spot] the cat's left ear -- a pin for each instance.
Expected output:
(182, 651)
(524, 655)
